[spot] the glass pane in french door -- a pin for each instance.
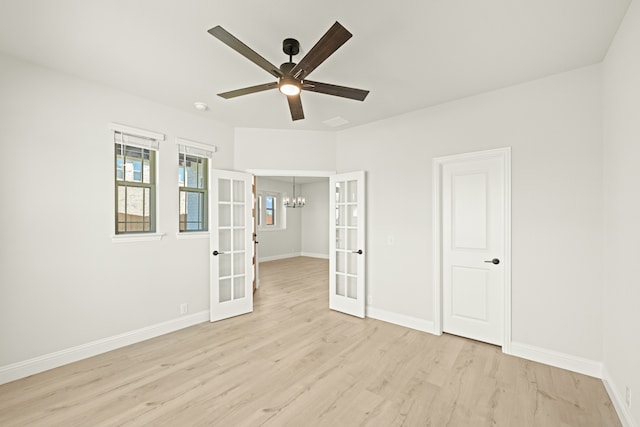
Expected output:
(231, 234)
(346, 196)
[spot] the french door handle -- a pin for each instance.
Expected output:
(216, 253)
(359, 252)
(495, 261)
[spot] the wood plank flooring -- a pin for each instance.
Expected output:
(293, 362)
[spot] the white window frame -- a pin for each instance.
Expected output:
(149, 140)
(199, 149)
(279, 212)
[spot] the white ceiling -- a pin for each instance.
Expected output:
(409, 53)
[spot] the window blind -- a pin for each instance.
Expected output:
(141, 138)
(136, 141)
(194, 148)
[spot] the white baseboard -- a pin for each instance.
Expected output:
(618, 401)
(400, 319)
(557, 359)
(277, 257)
(59, 358)
(314, 255)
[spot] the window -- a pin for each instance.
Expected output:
(271, 215)
(135, 187)
(192, 178)
(270, 210)
(193, 182)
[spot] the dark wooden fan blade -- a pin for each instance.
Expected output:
(329, 43)
(248, 90)
(227, 38)
(295, 105)
(343, 91)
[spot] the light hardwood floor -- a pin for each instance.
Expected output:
(293, 362)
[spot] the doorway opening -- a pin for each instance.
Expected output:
(277, 240)
(291, 232)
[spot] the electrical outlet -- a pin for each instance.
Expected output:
(184, 308)
(369, 299)
(627, 396)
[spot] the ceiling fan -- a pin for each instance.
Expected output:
(292, 77)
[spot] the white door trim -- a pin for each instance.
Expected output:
(438, 163)
(288, 172)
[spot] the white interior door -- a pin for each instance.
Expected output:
(231, 244)
(347, 243)
(473, 215)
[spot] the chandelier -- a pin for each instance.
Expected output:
(295, 201)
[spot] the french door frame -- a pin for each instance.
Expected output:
(438, 164)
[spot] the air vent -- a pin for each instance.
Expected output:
(335, 122)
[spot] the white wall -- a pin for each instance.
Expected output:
(315, 219)
(284, 149)
(554, 128)
(62, 281)
(276, 242)
(622, 212)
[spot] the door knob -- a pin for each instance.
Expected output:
(494, 261)
(216, 253)
(359, 252)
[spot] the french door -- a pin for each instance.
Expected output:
(347, 243)
(231, 245)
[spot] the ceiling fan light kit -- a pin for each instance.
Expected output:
(289, 86)
(292, 76)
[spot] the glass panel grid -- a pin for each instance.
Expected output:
(135, 189)
(224, 240)
(352, 214)
(341, 262)
(340, 284)
(238, 191)
(238, 214)
(224, 215)
(224, 290)
(238, 263)
(192, 211)
(346, 202)
(193, 193)
(224, 265)
(352, 287)
(352, 191)
(239, 288)
(224, 190)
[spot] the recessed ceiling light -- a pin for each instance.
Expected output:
(200, 106)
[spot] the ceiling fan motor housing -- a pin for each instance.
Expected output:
(287, 67)
(291, 47)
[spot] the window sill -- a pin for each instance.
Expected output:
(136, 237)
(187, 235)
